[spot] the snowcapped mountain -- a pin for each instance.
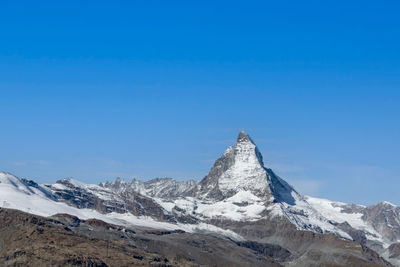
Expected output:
(87, 201)
(239, 198)
(239, 188)
(377, 226)
(240, 168)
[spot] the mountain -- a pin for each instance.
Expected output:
(239, 178)
(240, 200)
(104, 200)
(239, 169)
(376, 226)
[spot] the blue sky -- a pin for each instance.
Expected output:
(97, 90)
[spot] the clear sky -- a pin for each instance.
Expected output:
(147, 89)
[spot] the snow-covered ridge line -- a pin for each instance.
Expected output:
(15, 194)
(357, 217)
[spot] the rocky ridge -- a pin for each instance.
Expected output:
(240, 199)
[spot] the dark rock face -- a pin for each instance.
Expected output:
(357, 235)
(350, 208)
(243, 137)
(182, 216)
(385, 218)
(209, 185)
(141, 205)
(281, 190)
(394, 251)
(302, 248)
(270, 250)
(105, 201)
(166, 188)
(30, 183)
(67, 219)
(83, 199)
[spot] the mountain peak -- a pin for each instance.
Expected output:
(243, 137)
(240, 168)
(244, 144)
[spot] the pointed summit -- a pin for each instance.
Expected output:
(247, 144)
(240, 168)
(243, 137)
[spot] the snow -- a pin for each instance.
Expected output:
(333, 211)
(388, 203)
(243, 196)
(243, 206)
(101, 192)
(127, 219)
(249, 209)
(229, 210)
(14, 194)
(305, 217)
(78, 184)
(209, 228)
(247, 172)
(59, 186)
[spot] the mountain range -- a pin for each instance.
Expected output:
(240, 214)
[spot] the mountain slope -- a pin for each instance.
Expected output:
(376, 226)
(30, 240)
(240, 199)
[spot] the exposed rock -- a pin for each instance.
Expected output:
(37, 241)
(158, 187)
(385, 218)
(394, 250)
(241, 214)
(104, 200)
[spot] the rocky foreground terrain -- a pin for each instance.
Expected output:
(240, 214)
(65, 240)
